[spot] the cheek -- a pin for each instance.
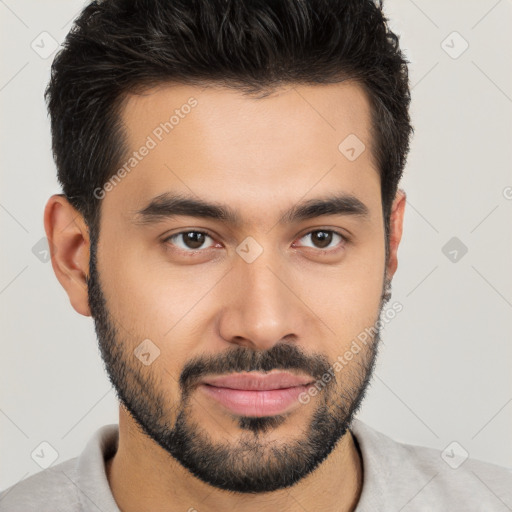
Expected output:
(154, 301)
(151, 296)
(347, 297)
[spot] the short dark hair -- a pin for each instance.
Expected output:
(116, 47)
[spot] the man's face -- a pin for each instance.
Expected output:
(263, 294)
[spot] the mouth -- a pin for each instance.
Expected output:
(257, 394)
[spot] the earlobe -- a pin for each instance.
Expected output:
(68, 239)
(395, 231)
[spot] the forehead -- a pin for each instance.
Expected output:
(224, 146)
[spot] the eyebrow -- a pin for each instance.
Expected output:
(168, 205)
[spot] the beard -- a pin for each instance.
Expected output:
(248, 463)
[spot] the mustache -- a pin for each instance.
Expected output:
(282, 356)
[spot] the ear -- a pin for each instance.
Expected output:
(68, 239)
(395, 231)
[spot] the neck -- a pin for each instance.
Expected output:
(143, 476)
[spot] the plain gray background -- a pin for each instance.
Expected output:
(444, 372)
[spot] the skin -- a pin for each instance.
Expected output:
(260, 157)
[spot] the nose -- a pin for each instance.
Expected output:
(263, 307)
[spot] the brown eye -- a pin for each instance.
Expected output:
(323, 238)
(190, 240)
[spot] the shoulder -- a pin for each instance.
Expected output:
(50, 489)
(421, 478)
(76, 484)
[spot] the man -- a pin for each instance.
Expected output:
(231, 219)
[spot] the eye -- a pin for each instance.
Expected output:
(323, 238)
(189, 240)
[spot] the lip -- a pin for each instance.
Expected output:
(252, 381)
(257, 395)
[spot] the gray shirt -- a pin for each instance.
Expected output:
(396, 477)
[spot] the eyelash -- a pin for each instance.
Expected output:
(344, 240)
